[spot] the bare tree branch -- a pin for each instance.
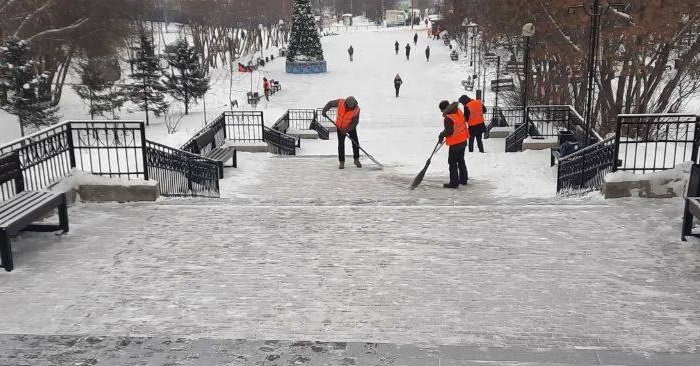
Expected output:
(561, 32)
(31, 16)
(77, 24)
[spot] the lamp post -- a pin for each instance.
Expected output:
(528, 33)
(595, 11)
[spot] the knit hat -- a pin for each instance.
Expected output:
(351, 102)
(443, 105)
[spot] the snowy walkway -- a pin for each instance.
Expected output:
(300, 251)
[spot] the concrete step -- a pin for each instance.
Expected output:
(540, 144)
(500, 132)
(303, 134)
(255, 147)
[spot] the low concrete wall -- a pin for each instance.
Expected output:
(500, 132)
(536, 144)
(304, 134)
(254, 148)
(664, 188)
(111, 193)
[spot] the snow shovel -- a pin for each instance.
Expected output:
(363, 150)
(419, 178)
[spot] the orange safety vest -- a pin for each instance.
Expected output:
(460, 132)
(345, 116)
(476, 112)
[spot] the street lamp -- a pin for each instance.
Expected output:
(595, 11)
(528, 33)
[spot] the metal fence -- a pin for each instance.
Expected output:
(279, 142)
(301, 119)
(245, 126)
(585, 170)
(107, 148)
(113, 149)
(45, 157)
(549, 120)
(214, 131)
(652, 142)
(180, 173)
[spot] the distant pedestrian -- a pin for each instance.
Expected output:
(266, 88)
(396, 47)
(426, 22)
(408, 51)
(427, 53)
(415, 39)
(397, 84)
(351, 51)
(474, 111)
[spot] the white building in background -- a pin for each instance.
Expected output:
(395, 18)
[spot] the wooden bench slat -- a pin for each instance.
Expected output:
(20, 205)
(28, 208)
(15, 201)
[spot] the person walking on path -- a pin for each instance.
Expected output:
(427, 54)
(415, 39)
(397, 84)
(396, 47)
(351, 51)
(346, 121)
(456, 135)
(474, 111)
(266, 88)
(408, 51)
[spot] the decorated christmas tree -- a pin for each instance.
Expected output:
(305, 44)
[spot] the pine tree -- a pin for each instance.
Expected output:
(147, 91)
(305, 44)
(187, 82)
(104, 95)
(22, 89)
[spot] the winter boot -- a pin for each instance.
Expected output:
(341, 165)
(357, 163)
(450, 185)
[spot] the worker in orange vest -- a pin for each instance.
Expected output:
(456, 135)
(346, 122)
(474, 110)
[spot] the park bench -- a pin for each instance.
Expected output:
(253, 98)
(219, 154)
(275, 86)
(515, 66)
(502, 84)
(21, 211)
(692, 203)
(468, 84)
(454, 56)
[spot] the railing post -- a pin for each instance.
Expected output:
(696, 140)
(71, 145)
(142, 129)
(618, 130)
(262, 125)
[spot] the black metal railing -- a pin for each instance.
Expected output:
(245, 126)
(11, 177)
(301, 119)
(282, 123)
(322, 132)
(549, 120)
(45, 157)
(512, 115)
(514, 141)
(279, 142)
(332, 114)
(584, 171)
(180, 173)
(211, 136)
(647, 143)
(109, 148)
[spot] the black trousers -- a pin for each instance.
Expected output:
(477, 133)
(458, 167)
(397, 90)
(341, 145)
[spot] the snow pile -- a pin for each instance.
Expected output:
(79, 178)
(665, 183)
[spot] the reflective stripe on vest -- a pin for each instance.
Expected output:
(476, 112)
(345, 116)
(460, 132)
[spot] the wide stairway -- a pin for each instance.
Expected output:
(305, 263)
